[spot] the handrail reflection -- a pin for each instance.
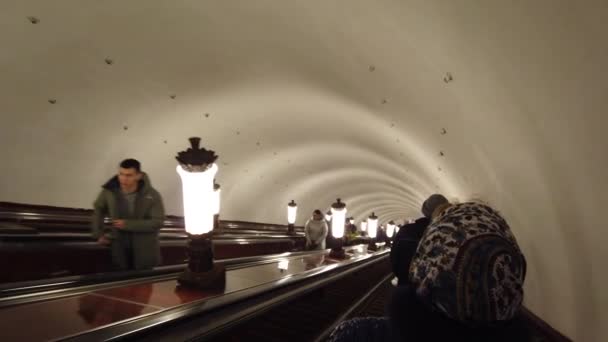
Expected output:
(96, 310)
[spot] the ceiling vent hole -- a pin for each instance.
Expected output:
(448, 78)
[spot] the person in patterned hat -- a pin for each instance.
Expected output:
(468, 266)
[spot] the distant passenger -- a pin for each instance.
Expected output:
(407, 239)
(466, 284)
(350, 232)
(316, 231)
(137, 214)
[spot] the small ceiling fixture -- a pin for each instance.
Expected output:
(448, 78)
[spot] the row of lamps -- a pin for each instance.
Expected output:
(201, 195)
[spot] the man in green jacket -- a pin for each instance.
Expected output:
(137, 214)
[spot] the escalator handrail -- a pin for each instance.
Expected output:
(310, 280)
(81, 220)
(68, 239)
(27, 291)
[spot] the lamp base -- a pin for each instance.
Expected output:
(291, 229)
(215, 278)
(337, 253)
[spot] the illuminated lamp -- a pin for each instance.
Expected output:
(197, 170)
(292, 209)
(338, 212)
(372, 231)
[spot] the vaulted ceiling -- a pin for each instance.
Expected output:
(380, 103)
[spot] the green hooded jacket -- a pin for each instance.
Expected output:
(138, 241)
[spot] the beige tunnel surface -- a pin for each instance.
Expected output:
(378, 102)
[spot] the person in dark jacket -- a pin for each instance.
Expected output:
(409, 235)
(137, 214)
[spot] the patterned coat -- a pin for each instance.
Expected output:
(469, 267)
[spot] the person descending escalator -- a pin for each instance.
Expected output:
(316, 231)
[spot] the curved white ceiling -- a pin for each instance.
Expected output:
(323, 99)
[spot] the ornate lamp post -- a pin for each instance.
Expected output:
(338, 211)
(372, 230)
(197, 169)
(292, 209)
